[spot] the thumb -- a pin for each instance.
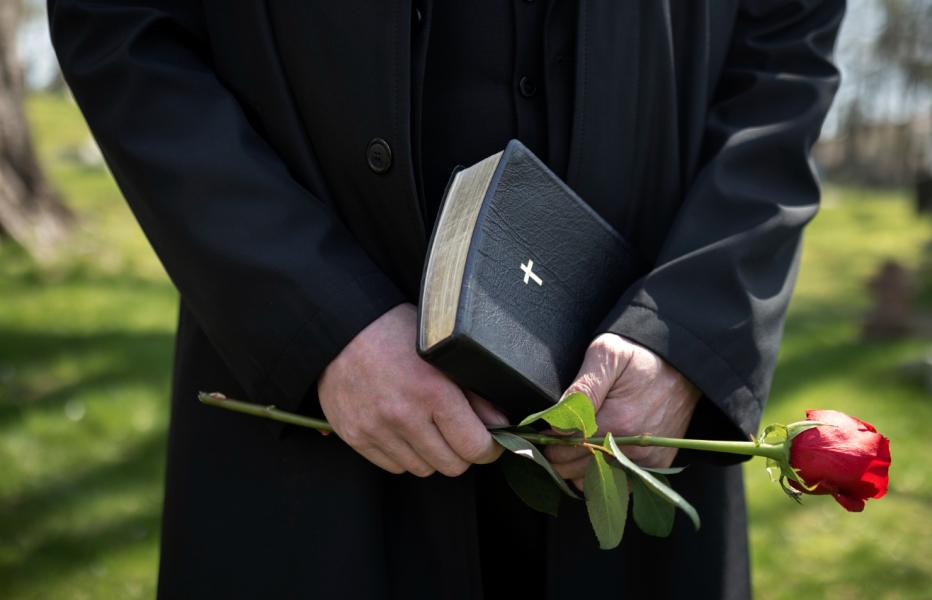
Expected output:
(604, 363)
(485, 410)
(490, 453)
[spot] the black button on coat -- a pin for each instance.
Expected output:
(379, 156)
(237, 133)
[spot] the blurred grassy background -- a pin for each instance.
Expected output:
(818, 550)
(85, 362)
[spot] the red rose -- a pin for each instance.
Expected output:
(848, 461)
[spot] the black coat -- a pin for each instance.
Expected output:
(238, 131)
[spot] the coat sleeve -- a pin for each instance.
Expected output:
(715, 303)
(271, 274)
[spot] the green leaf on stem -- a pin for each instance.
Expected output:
(510, 429)
(653, 514)
(573, 413)
(531, 483)
(527, 450)
(608, 509)
(653, 483)
(667, 471)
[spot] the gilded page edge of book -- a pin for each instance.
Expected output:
(443, 279)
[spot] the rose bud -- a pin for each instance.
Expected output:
(848, 461)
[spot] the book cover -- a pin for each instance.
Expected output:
(520, 271)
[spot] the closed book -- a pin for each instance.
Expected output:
(519, 274)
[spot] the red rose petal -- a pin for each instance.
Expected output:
(849, 460)
(850, 504)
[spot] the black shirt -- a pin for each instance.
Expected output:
(493, 71)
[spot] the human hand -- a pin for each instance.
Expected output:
(400, 412)
(634, 391)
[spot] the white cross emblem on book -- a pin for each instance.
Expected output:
(529, 274)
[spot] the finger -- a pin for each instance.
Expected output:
(564, 454)
(485, 410)
(660, 458)
(403, 454)
(430, 444)
(464, 432)
(381, 460)
(605, 361)
(644, 457)
(574, 469)
(474, 445)
(579, 484)
(491, 454)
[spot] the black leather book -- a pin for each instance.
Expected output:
(519, 273)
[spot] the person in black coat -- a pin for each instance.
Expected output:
(285, 160)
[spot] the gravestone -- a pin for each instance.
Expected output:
(924, 195)
(893, 290)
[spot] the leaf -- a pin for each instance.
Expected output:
(608, 509)
(573, 413)
(510, 429)
(653, 483)
(531, 483)
(653, 514)
(526, 449)
(668, 471)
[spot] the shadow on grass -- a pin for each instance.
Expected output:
(106, 359)
(64, 521)
(28, 515)
(65, 553)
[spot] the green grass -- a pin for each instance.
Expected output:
(85, 359)
(818, 550)
(85, 355)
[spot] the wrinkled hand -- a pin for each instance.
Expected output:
(400, 412)
(634, 391)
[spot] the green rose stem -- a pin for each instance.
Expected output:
(775, 451)
(266, 412)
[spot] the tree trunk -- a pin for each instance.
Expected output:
(30, 210)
